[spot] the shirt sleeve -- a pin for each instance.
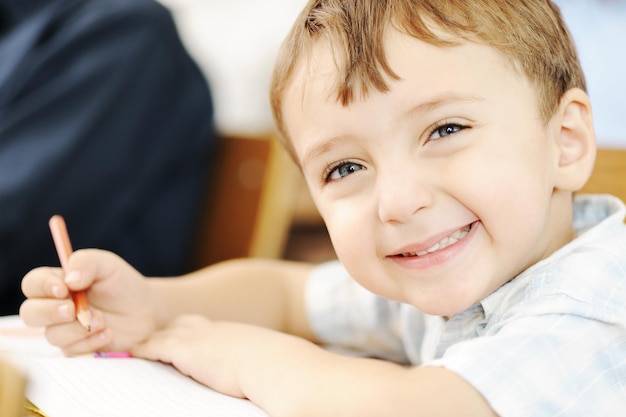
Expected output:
(572, 367)
(345, 315)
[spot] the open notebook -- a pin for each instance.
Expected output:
(73, 387)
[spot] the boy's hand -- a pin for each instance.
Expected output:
(225, 356)
(120, 301)
(205, 350)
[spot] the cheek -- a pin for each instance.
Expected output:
(351, 233)
(508, 202)
(508, 192)
(499, 180)
(354, 240)
(513, 207)
(340, 215)
(348, 232)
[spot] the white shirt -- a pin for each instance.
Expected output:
(551, 342)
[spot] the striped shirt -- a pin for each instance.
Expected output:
(551, 342)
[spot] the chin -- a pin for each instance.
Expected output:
(444, 308)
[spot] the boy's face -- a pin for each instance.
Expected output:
(439, 191)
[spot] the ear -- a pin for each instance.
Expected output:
(576, 140)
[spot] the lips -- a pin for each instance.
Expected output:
(442, 244)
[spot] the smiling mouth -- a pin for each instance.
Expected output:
(443, 243)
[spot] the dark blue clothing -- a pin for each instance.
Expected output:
(106, 120)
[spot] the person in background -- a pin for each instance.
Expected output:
(106, 120)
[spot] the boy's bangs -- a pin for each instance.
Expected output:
(530, 33)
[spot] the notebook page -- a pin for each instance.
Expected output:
(79, 387)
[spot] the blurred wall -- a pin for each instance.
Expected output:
(599, 30)
(235, 43)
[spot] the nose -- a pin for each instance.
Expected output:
(401, 194)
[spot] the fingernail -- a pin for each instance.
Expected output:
(72, 277)
(64, 311)
(56, 291)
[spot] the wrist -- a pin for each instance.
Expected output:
(161, 312)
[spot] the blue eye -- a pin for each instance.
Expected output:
(445, 130)
(341, 170)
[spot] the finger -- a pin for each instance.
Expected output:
(44, 282)
(97, 342)
(73, 339)
(86, 267)
(43, 312)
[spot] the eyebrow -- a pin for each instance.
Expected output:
(321, 148)
(443, 100)
(425, 107)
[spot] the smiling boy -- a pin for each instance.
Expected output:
(456, 146)
(442, 142)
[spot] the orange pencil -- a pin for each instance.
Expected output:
(64, 250)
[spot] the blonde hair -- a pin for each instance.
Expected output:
(530, 33)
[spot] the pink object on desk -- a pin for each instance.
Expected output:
(112, 355)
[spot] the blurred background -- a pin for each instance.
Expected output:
(235, 43)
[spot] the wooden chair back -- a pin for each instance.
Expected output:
(249, 205)
(609, 174)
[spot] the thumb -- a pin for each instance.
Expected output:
(88, 267)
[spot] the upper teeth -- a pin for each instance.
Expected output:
(443, 243)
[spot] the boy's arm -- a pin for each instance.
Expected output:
(265, 292)
(286, 375)
(289, 376)
(315, 382)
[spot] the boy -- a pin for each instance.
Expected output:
(442, 142)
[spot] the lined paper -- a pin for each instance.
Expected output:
(94, 387)
(78, 387)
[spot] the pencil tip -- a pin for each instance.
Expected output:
(84, 318)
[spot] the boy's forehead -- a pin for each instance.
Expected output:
(427, 75)
(318, 75)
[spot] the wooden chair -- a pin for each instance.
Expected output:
(609, 174)
(249, 206)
